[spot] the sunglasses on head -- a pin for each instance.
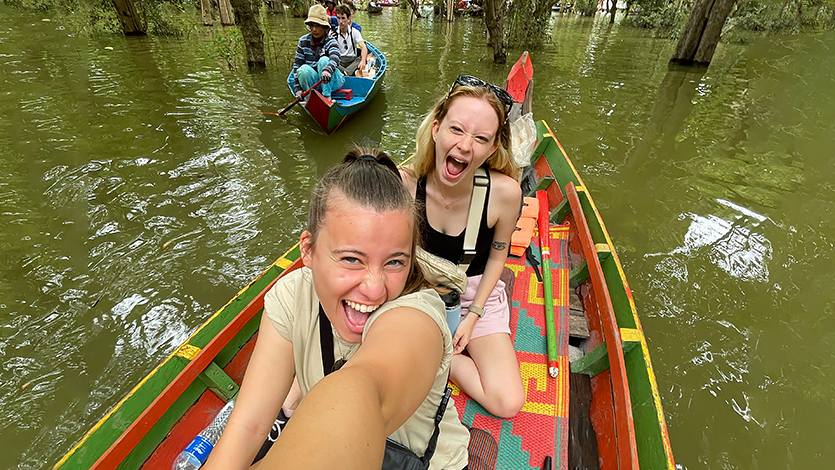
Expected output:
(475, 82)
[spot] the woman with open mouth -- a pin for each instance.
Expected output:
(468, 129)
(359, 328)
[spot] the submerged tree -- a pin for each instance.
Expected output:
(494, 11)
(132, 23)
(701, 33)
(246, 12)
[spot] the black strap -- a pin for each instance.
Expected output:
(326, 343)
(439, 416)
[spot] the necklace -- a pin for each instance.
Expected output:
(447, 204)
(343, 356)
(326, 340)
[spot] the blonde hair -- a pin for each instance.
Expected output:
(423, 160)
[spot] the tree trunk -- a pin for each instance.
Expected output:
(226, 17)
(413, 4)
(132, 24)
(246, 11)
(494, 20)
(782, 9)
(701, 33)
(799, 11)
(449, 10)
(206, 12)
(613, 11)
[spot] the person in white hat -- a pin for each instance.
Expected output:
(317, 56)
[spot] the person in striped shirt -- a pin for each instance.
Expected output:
(317, 56)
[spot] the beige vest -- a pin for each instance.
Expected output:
(293, 308)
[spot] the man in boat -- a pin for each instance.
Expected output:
(335, 21)
(330, 7)
(317, 56)
(349, 39)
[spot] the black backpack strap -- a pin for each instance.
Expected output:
(439, 416)
(325, 342)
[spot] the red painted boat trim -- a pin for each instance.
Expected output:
(519, 77)
(140, 427)
(627, 448)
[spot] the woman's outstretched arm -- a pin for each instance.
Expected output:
(267, 380)
(344, 420)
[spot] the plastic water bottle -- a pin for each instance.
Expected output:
(196, 453)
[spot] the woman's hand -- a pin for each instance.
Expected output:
(463, 333)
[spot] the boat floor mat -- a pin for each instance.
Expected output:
(540, 430)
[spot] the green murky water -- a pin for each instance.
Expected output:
(141, 187)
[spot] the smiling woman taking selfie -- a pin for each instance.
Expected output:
(462, 144)
(368, 344)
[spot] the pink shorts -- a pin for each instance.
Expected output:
(496, 317)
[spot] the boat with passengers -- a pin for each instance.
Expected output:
(601, 409)
(354, 95)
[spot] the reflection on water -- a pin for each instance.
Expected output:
(141, 187)
(734, 248)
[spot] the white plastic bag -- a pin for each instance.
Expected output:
(523, 139)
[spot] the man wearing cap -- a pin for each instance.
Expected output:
(317, 56)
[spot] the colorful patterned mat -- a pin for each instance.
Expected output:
(541, 428)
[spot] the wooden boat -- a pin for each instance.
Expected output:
(519, 84)
(374, 8)
(614, 415)
(351, 98)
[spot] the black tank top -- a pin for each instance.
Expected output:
(451, 247)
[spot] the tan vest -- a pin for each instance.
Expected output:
(293, 308)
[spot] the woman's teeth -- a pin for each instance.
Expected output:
(362, 308)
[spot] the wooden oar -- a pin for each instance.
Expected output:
(545, 247)
(281, 113)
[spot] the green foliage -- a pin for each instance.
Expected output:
(667, 17)
(165, 18)
(526, 23)
(586, 7)
(91, 17)
(169, 18)
(228, 46)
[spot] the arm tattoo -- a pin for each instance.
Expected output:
(498, 246)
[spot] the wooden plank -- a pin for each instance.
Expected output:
(578, 327)
(218, 382)
(627, 451)
(597, 360)
(575, 305)
(582, 441)
(560, 212)
(227, 18)
(580, 273)
(541, 185)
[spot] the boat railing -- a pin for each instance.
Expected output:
(646, 430)
(137, 430)
(626, 445)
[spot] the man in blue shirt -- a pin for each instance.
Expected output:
(317, 56)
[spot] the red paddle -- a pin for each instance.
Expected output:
(281, 113)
